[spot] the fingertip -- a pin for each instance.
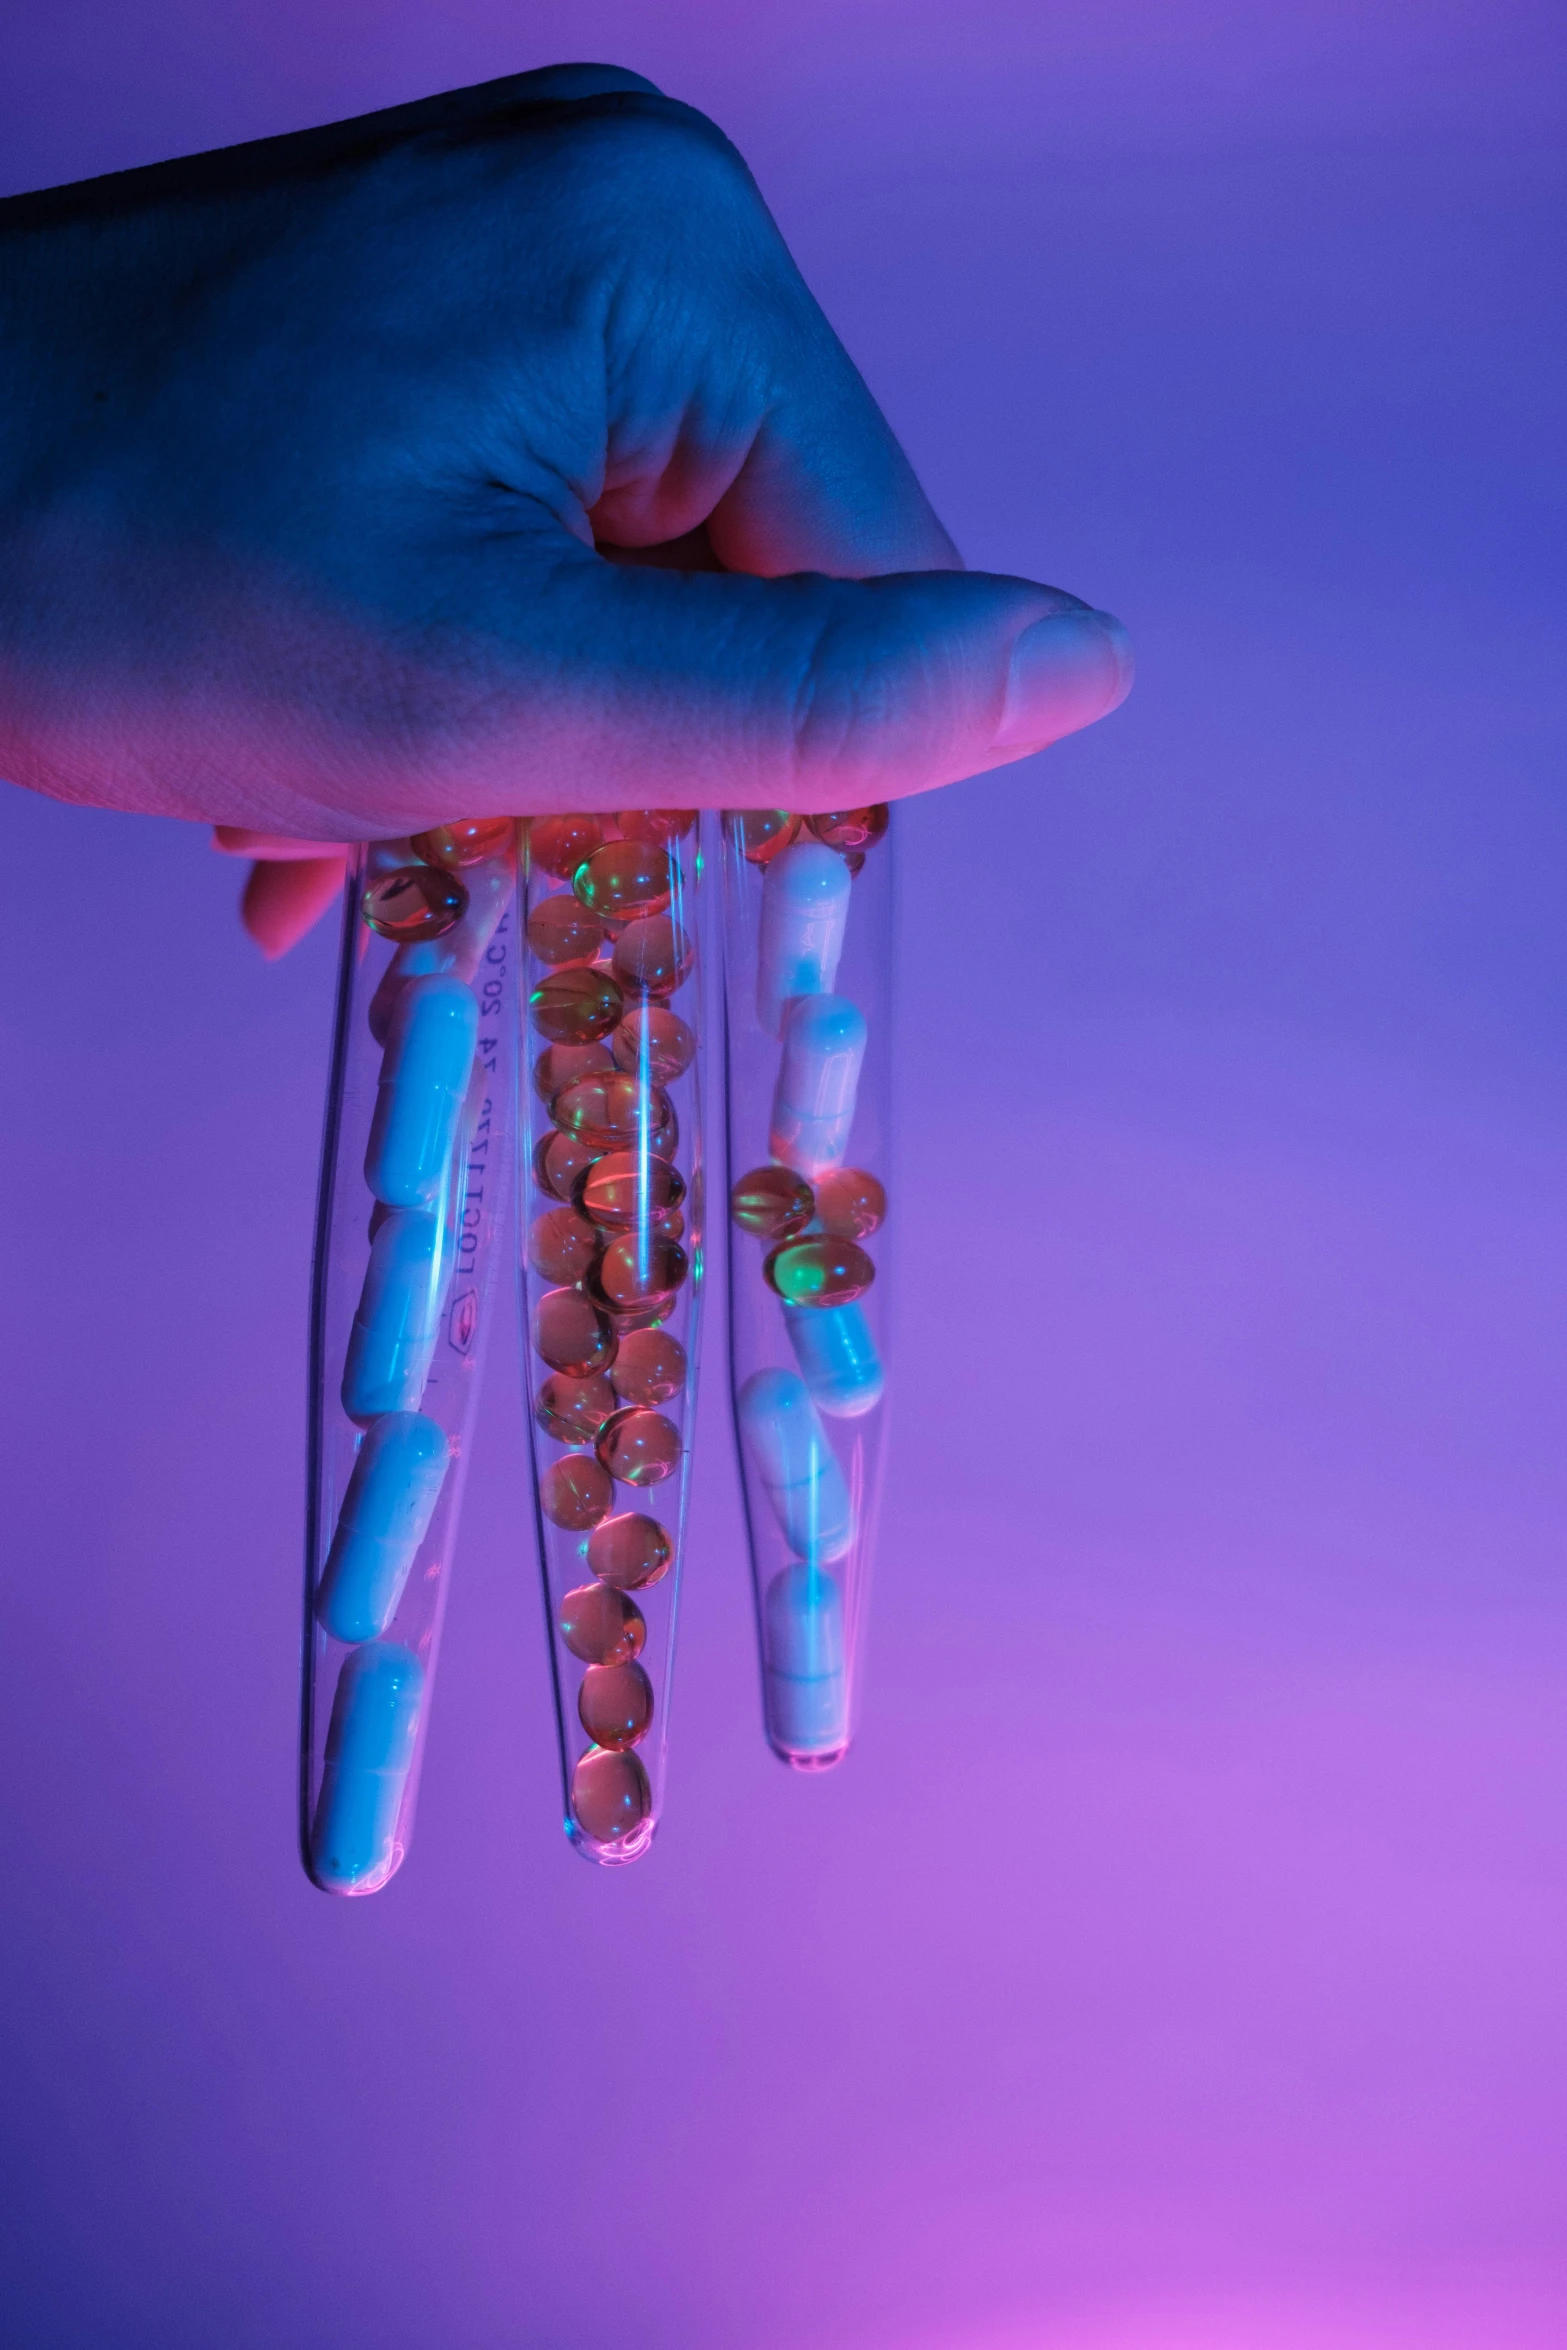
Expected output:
(282, 902)
(1065, 671)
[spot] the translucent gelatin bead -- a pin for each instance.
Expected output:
(629, 1552)
(417, 901)
(615, 1704)
(639, 1267)
(575, 1492)
(624, 880)
(563, 1244)
(819, 1272)
(764, 831)
(571, 1334)
(659, 825)
(649, 1367)
(558, 1161)
(560, 1065)
(623, 1190)
(611, 1113)
(654, 1042)
(468, 841)
(849, 1203)
(610, 1795)
(652, 956)
(561, 843)
(639, 1447)
(576, 1005)
(601, 1625)
(561, 930)
(850, 828)
(574, 1410)
(773, 1202)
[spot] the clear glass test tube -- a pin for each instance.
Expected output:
(415, 1168)
(807, 1047)
(610, 1159)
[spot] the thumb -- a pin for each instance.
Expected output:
(645, 687)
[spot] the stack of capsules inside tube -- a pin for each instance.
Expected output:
(412, 1172)
(612, 1227)
(807, 949)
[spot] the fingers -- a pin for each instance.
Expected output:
(283, 900)
(279, 848)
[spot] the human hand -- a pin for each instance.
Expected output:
(484, 455)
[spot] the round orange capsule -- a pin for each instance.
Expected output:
(654, 1042)
(639, 1267)
(610, 1112)
(615, 1704)
(576, 1005)
(558, 1161)
(571, 1334)
(763, 832)
(560, 1065)
(652, 956)
(819, 1272)
(563, 1244)
(610, 1795)
(417, 901)
(468, 841)
(574, 1410)
(660, 825)
(561, 930)
(601, 1625)
(851, 829)
(625, 880)
(623, 1190)
(575, 1492)
(649, 1367)
(630, 1551)
(772, 1202)
(639, 1447)
(561, 843)
(849, 1203)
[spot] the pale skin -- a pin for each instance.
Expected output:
(487, 455)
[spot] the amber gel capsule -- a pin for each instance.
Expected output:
(654, 1042)
(576, 1005)
(812, 1272)
(850, 828)
(623, 1190)
(563, 1245)
(773, 1202)
(561, 930)
(639, 1447)
(625, 880)
(629, 1552)
(602, 1626)
(660, 825)
(849, 1202)
(650, 1367)
(575, 1492)
(572, 1334)
(615, 1704)
(558, 1161)
(471, 840)
(417, 901)
(574, 1410)
(610, 1796)
(561, 843)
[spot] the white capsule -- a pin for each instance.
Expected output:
(369, 1748)
(807, 1688)
(805, 902)
(818, 1078)
(797, 1466)
(837, 1357)
(386, 1513)
(424, 1077)
(399, 1316)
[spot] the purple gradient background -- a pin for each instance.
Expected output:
(1178, 1965)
